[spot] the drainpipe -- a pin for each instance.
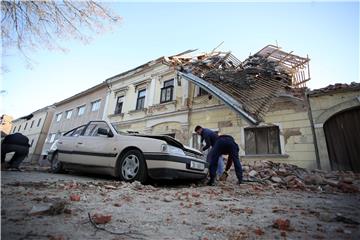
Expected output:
(318, 165)
(108, 92)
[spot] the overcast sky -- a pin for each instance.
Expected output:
(327, 32)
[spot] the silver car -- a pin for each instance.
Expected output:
(98, 147)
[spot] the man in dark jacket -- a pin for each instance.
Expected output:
(210, 138)
(17, 143)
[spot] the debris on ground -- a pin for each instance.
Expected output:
(282, 224)
(99, 218)
(263, 207)
(75, 197)
(289, 176)
(48, 207)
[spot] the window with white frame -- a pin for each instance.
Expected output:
(196, 141)
(140, 102)
(52, 137)
(262, 140)
(38, 124)
(58, 117)
(167, 91)
(95, 105)
(81, 110)
(119, 105)
(68, 114)
(32, 123)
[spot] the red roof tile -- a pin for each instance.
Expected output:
(335, 87)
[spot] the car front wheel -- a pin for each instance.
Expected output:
(132, 167)
(56, 165)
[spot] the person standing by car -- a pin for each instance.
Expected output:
(225, 145)
(17, 143)
(210, 138)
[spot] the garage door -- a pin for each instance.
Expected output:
(342, 133)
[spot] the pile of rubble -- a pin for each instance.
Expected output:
(288, 176)
(255, 83)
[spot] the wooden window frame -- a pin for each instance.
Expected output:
(140, 101)
(118, 109)
(164, 96)
(257, 145)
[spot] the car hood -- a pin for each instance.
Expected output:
(171, 141)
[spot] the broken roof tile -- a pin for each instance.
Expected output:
(335, 88)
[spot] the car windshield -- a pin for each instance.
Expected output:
(117, 129)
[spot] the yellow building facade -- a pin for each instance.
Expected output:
(152, 99)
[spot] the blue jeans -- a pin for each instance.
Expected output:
(220, 168)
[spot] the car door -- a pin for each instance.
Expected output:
(94, 149)
(65, 144)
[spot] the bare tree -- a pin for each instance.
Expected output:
(40, 24)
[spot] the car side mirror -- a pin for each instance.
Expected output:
(103, 131)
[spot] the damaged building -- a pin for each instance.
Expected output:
(260, 102)
(263, 102)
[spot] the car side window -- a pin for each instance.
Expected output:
(77, 131)
(90, 129)
(68, 134)
(93, 128)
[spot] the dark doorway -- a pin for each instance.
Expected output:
(342, 132)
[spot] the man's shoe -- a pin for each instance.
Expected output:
(211, 182)
(15, 169)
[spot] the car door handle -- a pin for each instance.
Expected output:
(60, 142)
(79, 143)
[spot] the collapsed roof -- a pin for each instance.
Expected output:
(249, 87)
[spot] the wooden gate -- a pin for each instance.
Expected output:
(342, 132)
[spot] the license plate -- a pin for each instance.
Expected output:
(197, 165)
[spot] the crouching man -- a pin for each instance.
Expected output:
(225, 145)
(17, 143)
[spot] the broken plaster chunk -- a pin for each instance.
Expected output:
(276, 179)
(49, 208)
(168, 199)
(330, 182)
(313, 179)
(137, 185)
(253, 173)
(40, 209)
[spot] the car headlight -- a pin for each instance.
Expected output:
(172, 150)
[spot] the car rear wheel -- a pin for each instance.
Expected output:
(56, 165)
(132, 167)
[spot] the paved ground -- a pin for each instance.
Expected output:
(169, 211)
